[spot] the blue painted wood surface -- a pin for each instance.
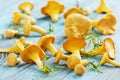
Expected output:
(25, 71)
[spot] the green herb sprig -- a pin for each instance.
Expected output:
(95, 67)
(51, 29)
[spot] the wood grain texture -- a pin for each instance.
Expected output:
(25, 71)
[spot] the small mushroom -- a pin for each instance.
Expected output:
(74, 45)
(79, 69)
(27, 27)
(105, 59)
(103, 7)
(46, 43)
(18, 48)
(18, 17)
(60, 55)
(26, 7)
(12, 59)
(53, 9)
(72, 11)
(9, 33)
(107, 46)
(106, 25)
(34, 54)
(24, 42)
(77, 26)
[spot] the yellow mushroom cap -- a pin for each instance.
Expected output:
(110, 48)
(46, 40)
(79, 69)
(52, 9)
(24, 5)
(79, 23)
(72, 11)
(11, 59)
(74, 44)
(107, 25)
(30, 53)
(9, 33)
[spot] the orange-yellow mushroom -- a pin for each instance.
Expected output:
(73, 11)
(105, 59)
(24, 41)
(26, 7)
(46, 43)
(12, 59)
(28, 27)
(34, 54)
(18, 48)
(53, 9)
(9, 33)
(103, 7)
(107, 46)
(77, 26)
(79, 69)
(60, 55)
(74, 45)
(18, 17)
(106, 25)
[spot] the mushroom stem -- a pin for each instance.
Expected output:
(18, 48)
(54, 17)
(51, 48)
(94, 23)
(12, 49)
(39, 63)
(38, 29)
(24, 42)
(105, 59)
(113, 63)
(60, 55)
(27, 11)
(64, 57)
(98, 51)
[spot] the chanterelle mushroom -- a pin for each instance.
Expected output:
(72, 11)
(53, 9)
(107, 46)
(105, 59)
(26, 7)
(18, 17)
(18, 48)
(46, 42)
(9, 33)
(103, 7)
(107, 24)
(74, 45)
(77, 26)
(34, 54)
(28, 27)
(12, 59)
(24, 41)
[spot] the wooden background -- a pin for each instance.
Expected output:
(25, 71)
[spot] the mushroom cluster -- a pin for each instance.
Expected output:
(77, 27)
(28, 22)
